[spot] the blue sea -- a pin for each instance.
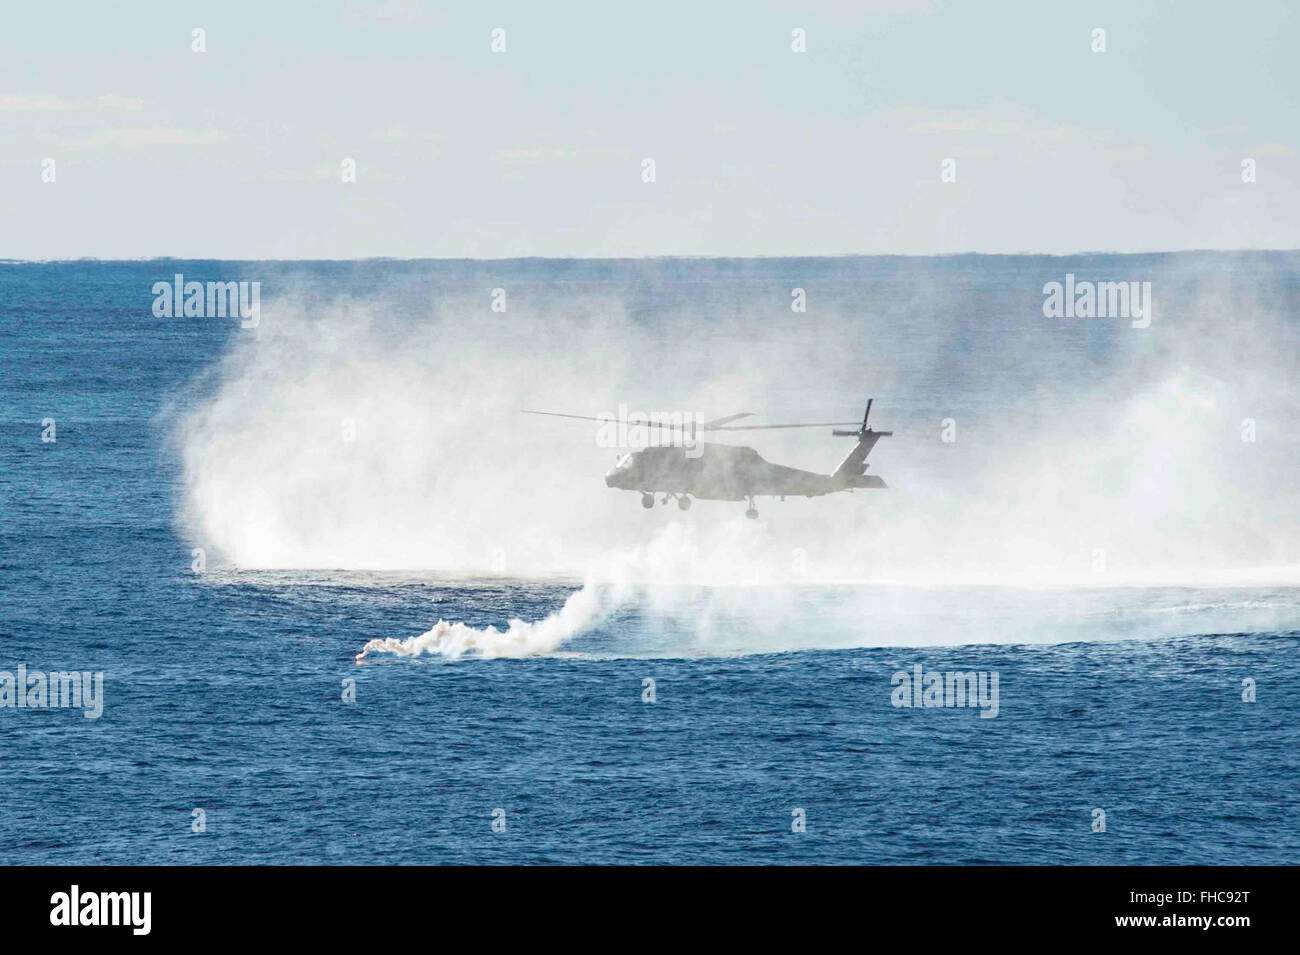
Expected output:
(226, 516)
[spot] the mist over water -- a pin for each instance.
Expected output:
(382, 432)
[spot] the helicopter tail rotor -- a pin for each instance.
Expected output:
(865, 429)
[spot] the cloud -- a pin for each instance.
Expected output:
(32, 102)
(116, 101)
(1003, 122)
(136, 138)
(412, 11)
(50, 103)
(560, 154)
(1272, 151)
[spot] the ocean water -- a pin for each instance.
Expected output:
(1101, 535)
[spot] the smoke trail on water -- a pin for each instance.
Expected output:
(665, 572)
(520, 638)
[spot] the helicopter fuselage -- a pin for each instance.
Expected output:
(727, 472)
(723, 472)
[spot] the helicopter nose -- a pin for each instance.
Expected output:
(609, 480)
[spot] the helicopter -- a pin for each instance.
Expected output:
(709, 471)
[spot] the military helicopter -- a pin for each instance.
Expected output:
(726, 472)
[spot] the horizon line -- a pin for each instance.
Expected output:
(643, 258)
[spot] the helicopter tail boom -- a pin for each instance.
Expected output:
(852, 470)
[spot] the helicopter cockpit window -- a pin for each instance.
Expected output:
(624, 461)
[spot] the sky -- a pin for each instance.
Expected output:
(237, 152)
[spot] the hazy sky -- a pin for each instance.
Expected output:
(236, 152)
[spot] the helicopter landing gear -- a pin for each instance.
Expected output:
(684, 503)
(647, 500)
(752, 512)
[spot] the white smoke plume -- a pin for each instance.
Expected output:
(662, 575)
(519, 639)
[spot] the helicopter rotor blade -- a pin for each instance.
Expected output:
(633, 420)
(557, 414)
(714, 425)
(765, 427)
(717, 423)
